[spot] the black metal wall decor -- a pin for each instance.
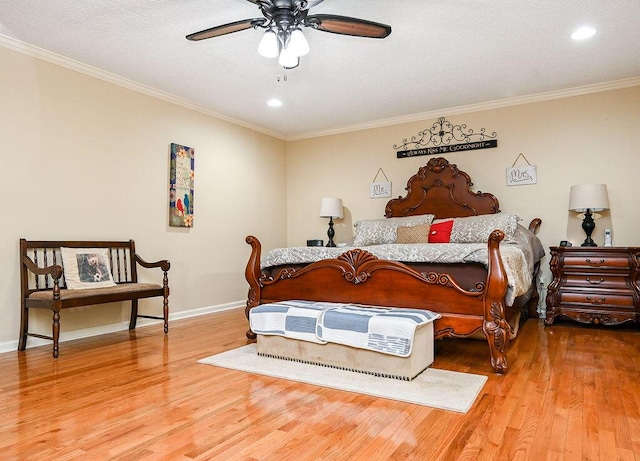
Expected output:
(445, 137)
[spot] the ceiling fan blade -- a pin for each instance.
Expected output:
(226, 29)
(344, 25)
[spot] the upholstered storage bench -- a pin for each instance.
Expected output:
(320, 333)
(102, 272)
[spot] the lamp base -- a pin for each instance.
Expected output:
(330, 234)
(588, 225)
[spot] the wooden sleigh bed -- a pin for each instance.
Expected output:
(471, 297)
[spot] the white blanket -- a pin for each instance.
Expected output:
(381, 329)
(385, 330)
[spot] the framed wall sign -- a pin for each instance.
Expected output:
(181, 186)
(521, 175)
(380, 189)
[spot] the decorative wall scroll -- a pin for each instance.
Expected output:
(181, 186)
(380, 189)
(521, 175)
(444, 137)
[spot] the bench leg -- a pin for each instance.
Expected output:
(56, 333)
(165, 313)
(134, 314)
(24, 327)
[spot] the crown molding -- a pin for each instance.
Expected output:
(63, 61)
(497, 104)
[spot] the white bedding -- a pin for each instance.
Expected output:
(518, 256)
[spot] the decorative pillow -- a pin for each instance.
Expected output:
(87, 268)
(440, 232)
(475, 229)
(413, 234)
(381, 231)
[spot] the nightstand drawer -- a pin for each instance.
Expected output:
(603, 300)
(607, 262)
(598, 281)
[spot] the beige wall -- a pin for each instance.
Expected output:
(585, 139)
(86, 159)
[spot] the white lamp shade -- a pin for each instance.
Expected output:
(331, 208)
(268, 46)
(298, 43)
(588, 196)
(288, 59)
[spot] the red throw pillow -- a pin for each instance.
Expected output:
(440, 232)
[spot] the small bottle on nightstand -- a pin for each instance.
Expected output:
(607, 237)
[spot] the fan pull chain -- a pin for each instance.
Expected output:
(284, 75)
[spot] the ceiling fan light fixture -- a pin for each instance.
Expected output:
(298, 43)
(268, 46)
(283, 21)
(288, 59)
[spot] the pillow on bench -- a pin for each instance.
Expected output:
(86, 268)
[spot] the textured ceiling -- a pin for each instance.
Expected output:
(442, 54)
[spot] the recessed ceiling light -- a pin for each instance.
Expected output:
(583, 32)
(274, 102)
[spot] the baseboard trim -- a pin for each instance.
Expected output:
(9, 346)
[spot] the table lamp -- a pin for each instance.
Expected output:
(331, 208)
(588, 198)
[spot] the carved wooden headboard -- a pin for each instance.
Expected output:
(439, 188)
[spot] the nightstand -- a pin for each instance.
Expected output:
(598, 285)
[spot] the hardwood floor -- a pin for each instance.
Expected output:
(572, 393)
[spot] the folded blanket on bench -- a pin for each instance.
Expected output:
(386, 330)
(381, 329)
(291, 319)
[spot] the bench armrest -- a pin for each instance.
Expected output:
(55, 270)
(162, 264)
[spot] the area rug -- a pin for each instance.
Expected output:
(443, 389)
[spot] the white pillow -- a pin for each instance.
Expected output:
(87, 268)
(381, 231)
(474, 229)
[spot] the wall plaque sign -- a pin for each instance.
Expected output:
(181, 186)
(380, 189)
(445, 137)
(521, 175)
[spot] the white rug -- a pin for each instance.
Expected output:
(447, 390)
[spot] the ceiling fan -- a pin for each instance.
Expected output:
(283, 21)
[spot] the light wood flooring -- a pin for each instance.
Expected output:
(572, 394)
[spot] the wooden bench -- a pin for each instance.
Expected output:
(43, 284)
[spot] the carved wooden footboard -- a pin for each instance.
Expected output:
(359, 277)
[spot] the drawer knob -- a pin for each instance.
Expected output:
(596, 301)
(598, 263)
(595, 282)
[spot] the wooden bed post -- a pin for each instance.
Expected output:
(251, 273)
(495, 326)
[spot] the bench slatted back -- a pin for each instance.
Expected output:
(46, 253)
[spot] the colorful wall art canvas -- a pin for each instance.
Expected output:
(181, 186)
